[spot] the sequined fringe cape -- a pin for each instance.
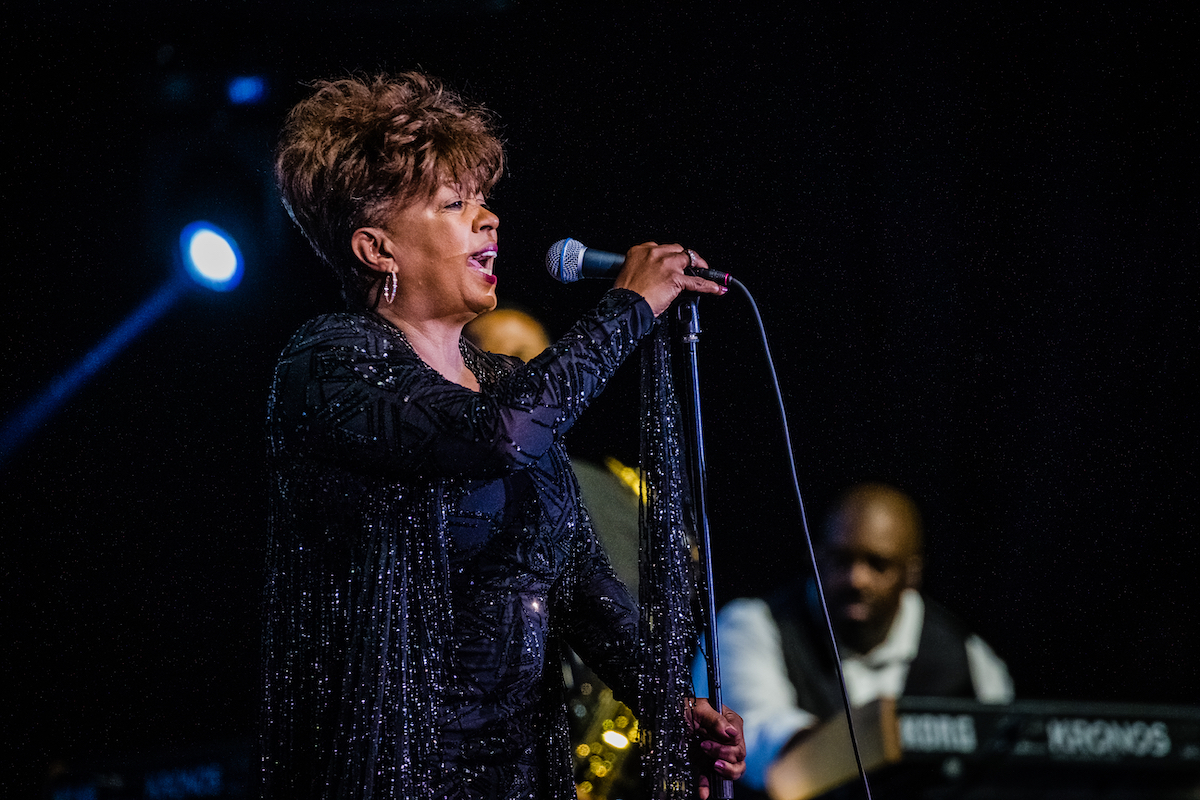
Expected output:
(667, 581)
(357, 608)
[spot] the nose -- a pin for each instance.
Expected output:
(486, 219)
(859, 574)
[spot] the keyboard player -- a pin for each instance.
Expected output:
(775, 663)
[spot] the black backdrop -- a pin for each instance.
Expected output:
(973, 236)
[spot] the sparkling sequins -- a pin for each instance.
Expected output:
(361, 678)
(666, 583)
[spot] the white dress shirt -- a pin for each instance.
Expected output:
(755, 683)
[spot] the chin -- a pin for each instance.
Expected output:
(481, 304)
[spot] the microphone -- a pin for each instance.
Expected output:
(568, 260)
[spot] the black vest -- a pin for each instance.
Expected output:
(939, 669)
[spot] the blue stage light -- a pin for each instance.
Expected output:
(246, 90)
(211, 256)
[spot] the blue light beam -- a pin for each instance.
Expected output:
(210, 257)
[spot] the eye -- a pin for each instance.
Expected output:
(878, 564)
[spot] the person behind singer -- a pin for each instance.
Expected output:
(428, 549)
(776, 667)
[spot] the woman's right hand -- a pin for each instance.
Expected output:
(656, 272)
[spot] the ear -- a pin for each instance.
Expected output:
(373, 247)
(913, 571)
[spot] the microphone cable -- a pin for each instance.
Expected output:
(567, 261)
(812, 556)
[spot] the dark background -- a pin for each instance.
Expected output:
(972, 235)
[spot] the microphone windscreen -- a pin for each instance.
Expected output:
(564, 260)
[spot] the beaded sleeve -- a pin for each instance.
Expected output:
(350, 390)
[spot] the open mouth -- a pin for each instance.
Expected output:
(484, 261)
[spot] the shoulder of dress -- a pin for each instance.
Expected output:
(348, 330)
(347, 321)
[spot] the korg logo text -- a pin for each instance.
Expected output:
(937, 733)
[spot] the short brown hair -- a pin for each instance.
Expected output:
(359, 147)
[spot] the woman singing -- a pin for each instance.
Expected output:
(429, 552)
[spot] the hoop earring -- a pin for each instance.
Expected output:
(389, 288)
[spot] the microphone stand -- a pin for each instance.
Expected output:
(689, 320)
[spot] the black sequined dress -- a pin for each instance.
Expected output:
(429, 556)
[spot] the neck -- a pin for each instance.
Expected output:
(436, 342)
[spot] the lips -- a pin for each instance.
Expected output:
(850, 603)
(484, 261)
